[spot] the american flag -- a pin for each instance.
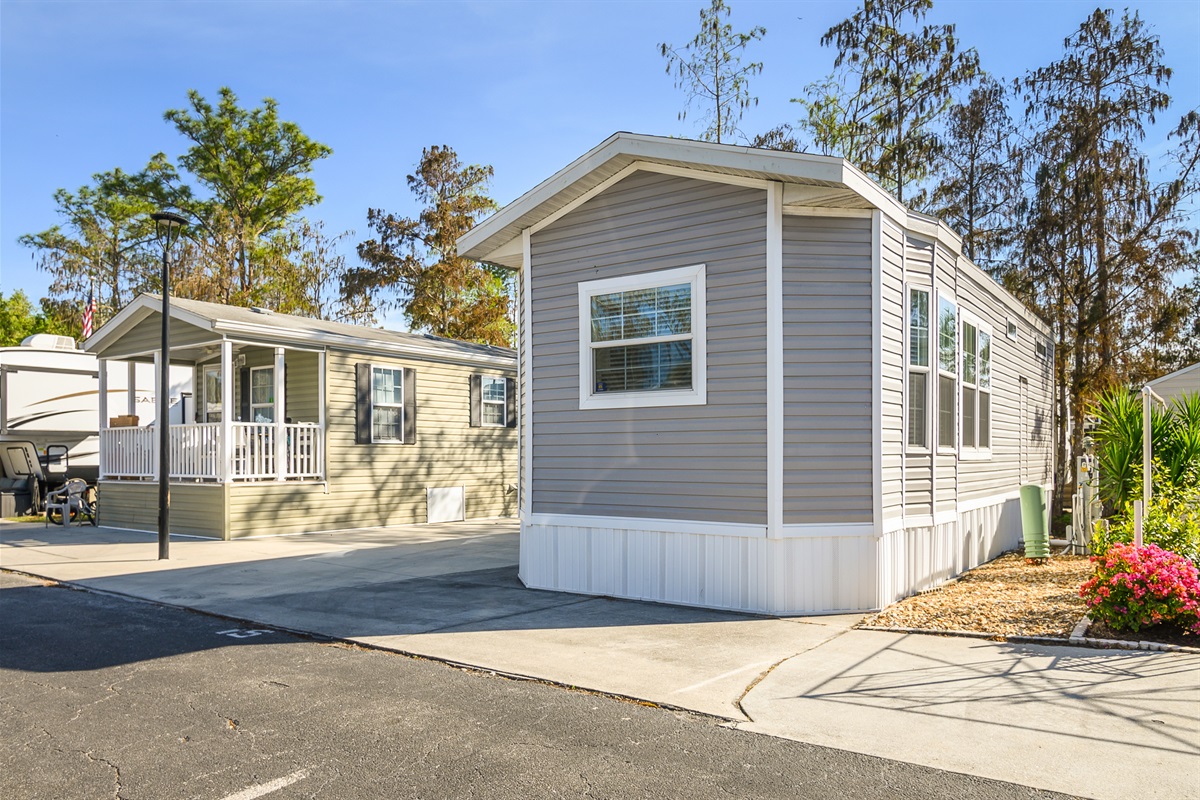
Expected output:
(89, 315)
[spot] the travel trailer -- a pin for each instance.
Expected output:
(49, 396)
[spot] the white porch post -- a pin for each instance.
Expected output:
(280, 420)
(226, 410)
(103, 398)
(131, 387)
(320, 443)
(158, 367)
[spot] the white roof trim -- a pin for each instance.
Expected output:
(145, 305)
(480, 243)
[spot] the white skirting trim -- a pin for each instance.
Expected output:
(812, 569)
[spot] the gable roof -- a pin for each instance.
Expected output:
(238, 322)
(820, 180)
(1177, 383)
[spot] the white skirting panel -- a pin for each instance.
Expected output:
(923, 556)
(798, 575)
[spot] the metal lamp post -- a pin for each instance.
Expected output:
(167, 228)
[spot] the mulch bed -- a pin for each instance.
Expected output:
(1005, 597)
(1009, 597)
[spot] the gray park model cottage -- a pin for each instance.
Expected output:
(301, 425)
(753, 380)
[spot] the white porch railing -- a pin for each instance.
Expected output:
(197, 452)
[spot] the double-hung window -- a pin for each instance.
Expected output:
(262, 394)
(947, 337)
(976, 388)
(642, 340)
(212, 394)
(494, 400)
(918, 368)
(387, 404)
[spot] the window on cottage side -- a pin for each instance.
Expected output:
(947, 358)
(976, 388)
(212, 394)
(642, 338)
(918, 368)
(495, 401)
(262, 394)
(387, 404)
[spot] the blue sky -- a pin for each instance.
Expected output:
(526, 87)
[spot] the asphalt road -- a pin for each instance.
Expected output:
(103, 697)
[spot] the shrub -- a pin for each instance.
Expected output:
(1138, 587)
(1174, 437)
(1173, 523)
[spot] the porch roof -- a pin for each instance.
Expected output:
(267, 327)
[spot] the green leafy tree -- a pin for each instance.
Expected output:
(892, 82)
(19, 319)
(710, 71)
(252, 173)
(1103, 242)
(414, 262)
(104, 242)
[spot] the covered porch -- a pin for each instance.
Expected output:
(257, 412)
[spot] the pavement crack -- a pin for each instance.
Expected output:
(115, 769)
(763, 675)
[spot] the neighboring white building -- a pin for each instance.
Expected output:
(753, 380)
(1178, 383)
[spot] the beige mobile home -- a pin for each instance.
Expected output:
(304, 425)
(753, 380)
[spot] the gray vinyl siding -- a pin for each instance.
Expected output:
(894, 357)
(146, 336)
(827, 370)
(699, 462)
(918, 465)
(384, 484)
(1001, 472)
(196, 508)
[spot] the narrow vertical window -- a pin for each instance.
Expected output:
(262, 394)
(918, 368)
(947, 371)
(212, 394)
(976, 389)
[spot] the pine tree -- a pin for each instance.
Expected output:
(710, 71)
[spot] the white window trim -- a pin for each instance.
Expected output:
(400, 405)
(483, 403)
(270, 405)
(1012, 329)
(697, 395)
(928, 370)
(936, 355)
(975, 453)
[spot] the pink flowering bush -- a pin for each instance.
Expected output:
(1139, 587)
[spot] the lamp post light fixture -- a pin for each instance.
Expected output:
(167, 229)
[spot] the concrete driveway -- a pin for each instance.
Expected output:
(1086, 722)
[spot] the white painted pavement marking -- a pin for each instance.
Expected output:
(723, 675)
(242, 633)
(251, 792)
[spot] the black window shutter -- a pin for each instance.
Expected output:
(199, 408)
(476, 400)
(362, 404)
(510, 394)
(410, 406)
(244, 393)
